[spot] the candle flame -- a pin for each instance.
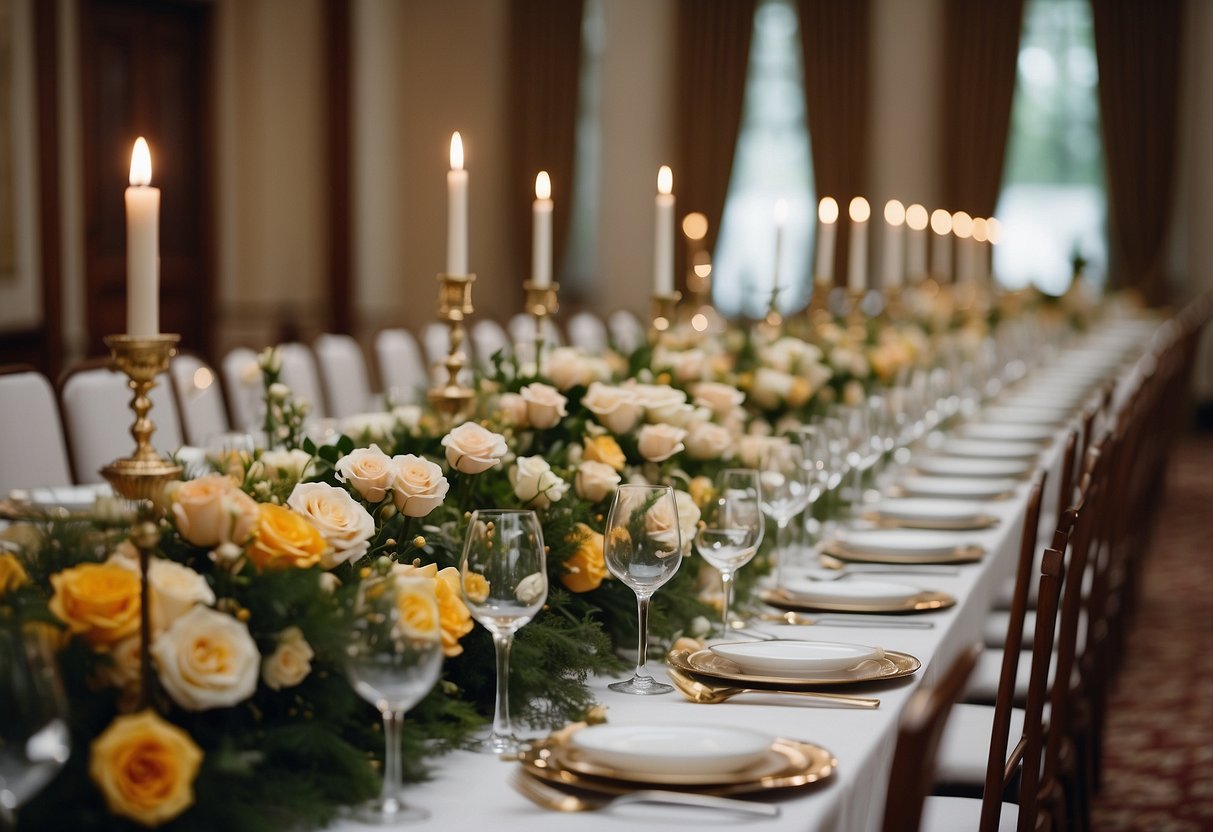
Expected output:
(916, 217)
(941, 222)
(456, 151)
(994, 231)
(859, 210)
(827, 210)
(981, 232)
(665, 180)
(962, 225)
(141, 163)
(781, 211)
(543, 185)
(894, 212)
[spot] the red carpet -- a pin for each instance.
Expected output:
(1158, 763)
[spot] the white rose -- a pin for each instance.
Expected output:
(283, 465)
(513, 409)
(534, 482)
(708, 441)
(658, 443)
(290, 662)
(655, 398)
(471, 448)
(615, 408)
(408, 415)
(545, 407)
(363, 426)
(567, 367)
(207, 659)
(369, 470)
(790, 354)
(771, 387)
(721, 399)
(343, 523)
(418, 486)
(595, 480)
(123, 668)
(270, 359)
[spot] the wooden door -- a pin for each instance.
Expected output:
(146, 72)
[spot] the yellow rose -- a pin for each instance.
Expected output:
(284, 538)
(702, 490)
(453, 617)
(476, 587)
(145, 768)
(416, 597)
(586, 567)
(99, 601)
(12, 573)
(605, 449)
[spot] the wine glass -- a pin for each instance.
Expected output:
(816, 454)
(505, 582)
(785, 493)
(393, 659)
(643, 548)
(731, 528)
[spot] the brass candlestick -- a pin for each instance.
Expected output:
(454, 305)
(665, 307)
(143, 476)
(541, 301)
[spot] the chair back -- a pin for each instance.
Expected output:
(489, 338)
(918, 733)
(245, 394)
(199, 398)
(299, 372)
(347, 385)
(522, 331)
(588, 333)
(32, 447)
(402, 369)
(627, 332)
(97, 417)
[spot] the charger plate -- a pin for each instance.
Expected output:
(969, 553)
(920, 602)
(707, 665)
(789, 764)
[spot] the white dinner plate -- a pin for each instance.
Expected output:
(902, 541)
(849, 589)
(971, 488)
(668, 749)
(70, 497)
(955, 466)
(790, 658)
(989, 449)
(924, 508)
(1003, 431)
(1038, 402)
(1022, 415)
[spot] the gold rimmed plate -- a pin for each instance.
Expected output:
(945, 524)
(708, 665)
(787, 764)
(965, 553)
(924, 601)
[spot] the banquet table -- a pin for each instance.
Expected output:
(468, 789)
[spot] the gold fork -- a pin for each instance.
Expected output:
(550, 797)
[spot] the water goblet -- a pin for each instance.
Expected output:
(785, 493)
(731, 529)
(504, 578)
(643, 549)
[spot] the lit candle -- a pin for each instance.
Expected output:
(962, 227)
(916, 255)
(857, 270)
(663, 251)
(781, 219)
(456, 210)
(941, 248)
(894, 217)
(541, 239)
(142, 247)
(981, 249)
(827, 220)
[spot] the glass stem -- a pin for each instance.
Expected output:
(393, 772)
(726, 581)
(781, 549)
(642, 645)
(501, 711)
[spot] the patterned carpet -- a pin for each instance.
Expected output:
(1158, 773)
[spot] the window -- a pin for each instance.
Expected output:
(1053, 205)
(772, 162)
(581, 253)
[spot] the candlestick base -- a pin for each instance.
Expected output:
(665, 308)
(541, 301)
(452, 398)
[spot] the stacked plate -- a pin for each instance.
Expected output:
(970, 488)
(793, 664)
(965, 466)
(902, 546)
(926, 513)
(989, 449)
(1008, 432)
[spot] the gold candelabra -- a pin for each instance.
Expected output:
(453, 399)
(142, 477)
(541, 301)
(665, 307)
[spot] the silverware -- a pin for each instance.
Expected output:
(839, 568)
(559, 800)
(703, 693)
(878, 622)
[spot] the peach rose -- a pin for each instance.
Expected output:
(617, 409)
(341, 520)
(211, 510)
(419, 486)
(513, 409)
(471, 448)
(658, 443)
(545, 406)
(708, 441)
(721, 399)
(595, 480)
(284, 538)
(369, 470)
(291, 661)
(145, 768)
(99, 601)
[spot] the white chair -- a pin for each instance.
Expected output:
(437, 341)
(300, 374)
(31, 435)
(488, 338)
(199, 399)
(522, 331)
(588, 333)
(245, 394)
(97, 418)
(347, 386)
(402, 369)
(627, 333)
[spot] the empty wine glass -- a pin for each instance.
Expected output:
(643, 548)
(34, 740)
(730, 530)
(785, 493)
(393, 659)
(505, 582)
(816, 457)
